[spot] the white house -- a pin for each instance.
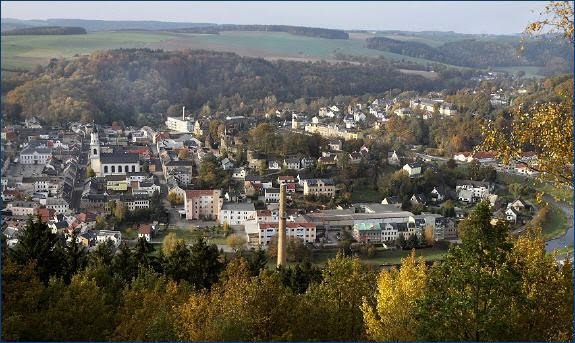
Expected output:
(239, 173)
(274, 165)
(237, 213)
(412, 169)
(272, 195)
(511, 215)
(35, 155)
(393, 158)
(463, 157)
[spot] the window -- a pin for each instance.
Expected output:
(119, 169)
(105, 169)
(133, 169)
(113, 169)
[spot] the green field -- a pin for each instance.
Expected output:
(24, 52)
(386, 256)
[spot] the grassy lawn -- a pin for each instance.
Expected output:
(365, 193)
(555, 225)
(190, 234)
(560, 193)
(385, 256)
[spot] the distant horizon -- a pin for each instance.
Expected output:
(318, 27)
(467, 17)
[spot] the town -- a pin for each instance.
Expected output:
(197, 179)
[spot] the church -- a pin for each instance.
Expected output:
(116, 163)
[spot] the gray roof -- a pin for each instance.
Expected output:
(239, 206)
(119, 158)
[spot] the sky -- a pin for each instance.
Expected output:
(485, 17)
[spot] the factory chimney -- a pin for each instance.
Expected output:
(281, 262)
(183, 112)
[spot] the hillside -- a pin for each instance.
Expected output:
(483, 52)
(120, 84)
(45, 30)
(294, 30)
(98, 25)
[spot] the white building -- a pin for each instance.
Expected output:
(262, 233)
(183, 124)
(237, 213)
(413, 169)
(35, 155)
(477, 190)
(104, 235)
(272, 195)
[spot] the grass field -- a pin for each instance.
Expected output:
(25, 52)
(386, 256)
(555, 225)
(28, 51)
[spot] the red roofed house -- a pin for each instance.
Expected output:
(203, 204)
(485, 156)
(45, 213)
(145, 231)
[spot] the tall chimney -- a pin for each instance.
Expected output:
(282, 228)
(183, 112)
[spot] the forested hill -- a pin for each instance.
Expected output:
(46, 30)
(119, 84)
(294, 30)
(484, 53)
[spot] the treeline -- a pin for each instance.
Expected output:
(45, 30)
(294, 30)
(125, 84)
(483, 53)
(492, 287)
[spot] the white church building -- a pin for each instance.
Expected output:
(116, 163)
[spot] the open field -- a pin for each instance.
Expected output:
(386, 256)
(555, 225)
(25, 52)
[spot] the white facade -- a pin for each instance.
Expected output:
(237, 213)
(184, 125)
(35, 156)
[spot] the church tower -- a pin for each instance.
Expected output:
(95, 152)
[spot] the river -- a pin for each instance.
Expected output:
(567, 239)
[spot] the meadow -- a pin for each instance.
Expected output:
(25, 52)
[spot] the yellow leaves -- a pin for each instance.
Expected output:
(396, 297)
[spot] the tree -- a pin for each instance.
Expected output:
(37, 243)
(170, 242)
(236, 242)
(119, 211)
(346, 282)
(183, 154)
(547, 126)
(211, 174)
(398, 292)
(296, 250)
(175, 199)
(428, 235)
(90, 172)
(75, 256)
(100, 223)
(468, 294)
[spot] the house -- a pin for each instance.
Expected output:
(292, 163)
(22, 208)
(274, 165)
(485, 156)
(335, 144)
(479, 190)
(465, 195)
(319, 187)
(413, 169)
(237, 213)
(355, 157)
(227, 164)
(307, 162)
(392, 200)
(437, 195)
(418, 199)
(103, 236)
(518, 205)
(447, 109)
(203, 204)
(511, 215)
(239, 173)
(463, 157)
(145, 231)
(403, 112)
(393, 158)
(272, 195)
(286, 179)
(327, 160)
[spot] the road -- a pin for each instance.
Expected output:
(567, 239)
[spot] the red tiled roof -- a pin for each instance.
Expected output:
(199, 193)
(484, 154)
(145, 229)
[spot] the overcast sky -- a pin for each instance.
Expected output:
(466, 17)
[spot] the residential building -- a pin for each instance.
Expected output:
(35, 155)
(413, 169)
(319, 187)
(203, 204)
(272, 195)
(262, 233)
(180, 124)
(237, 213)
